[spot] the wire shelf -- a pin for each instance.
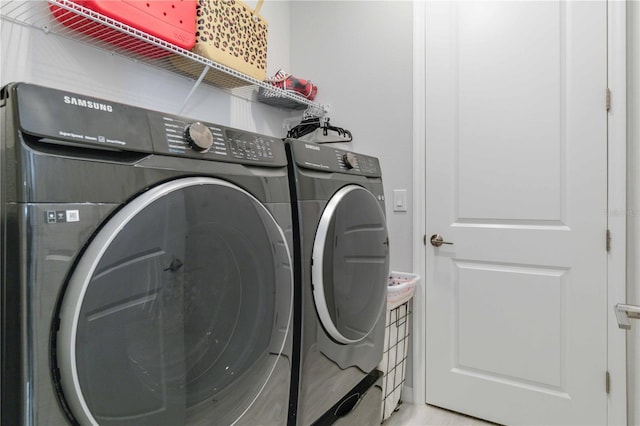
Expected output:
(118, 38)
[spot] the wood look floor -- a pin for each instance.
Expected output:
(428, 415)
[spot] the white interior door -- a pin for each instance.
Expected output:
(516, 179)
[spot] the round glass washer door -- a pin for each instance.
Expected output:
(178, 311)
(350, 264)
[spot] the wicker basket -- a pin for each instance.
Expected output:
(400, 289)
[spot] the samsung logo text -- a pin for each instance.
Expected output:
(87, 104)
(315, 148)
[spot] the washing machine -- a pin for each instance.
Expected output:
(146, 266)
(342, 266)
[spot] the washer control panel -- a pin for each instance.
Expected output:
(197, 139)
(250, 146)
(65, 118)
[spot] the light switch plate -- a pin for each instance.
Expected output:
(399, 200)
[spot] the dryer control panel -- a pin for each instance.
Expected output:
(328, 159)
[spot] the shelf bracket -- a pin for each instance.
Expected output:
(204, 72)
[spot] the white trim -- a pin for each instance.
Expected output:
(419, 205)
(317, 264)
(407, 394)
(617, 208)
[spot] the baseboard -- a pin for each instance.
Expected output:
(407, 395)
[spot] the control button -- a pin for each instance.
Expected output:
(198, 136)
(350, 160)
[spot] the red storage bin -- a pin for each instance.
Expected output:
(171, 21)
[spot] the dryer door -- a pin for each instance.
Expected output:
(178, 311)
(350, 264)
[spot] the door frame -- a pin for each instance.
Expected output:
(617, 211)
(616, 214)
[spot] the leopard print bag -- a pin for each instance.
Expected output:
(232, 34)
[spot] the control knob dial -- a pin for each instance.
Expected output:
(350, 160)
(198, 136)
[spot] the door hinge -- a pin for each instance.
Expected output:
(608, 243)
(608, 101)
(607, 382)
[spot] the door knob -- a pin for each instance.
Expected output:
(437, 240)
(624, 313)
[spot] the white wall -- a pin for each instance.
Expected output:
(31, 55)
(633, 206)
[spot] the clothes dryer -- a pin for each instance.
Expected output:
(146, 272)
(342, 265)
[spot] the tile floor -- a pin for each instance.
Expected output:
(427, 415)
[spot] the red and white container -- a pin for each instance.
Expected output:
(171, 21)
(400, 288)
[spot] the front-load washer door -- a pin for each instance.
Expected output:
(178, 310)
(350, 264)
